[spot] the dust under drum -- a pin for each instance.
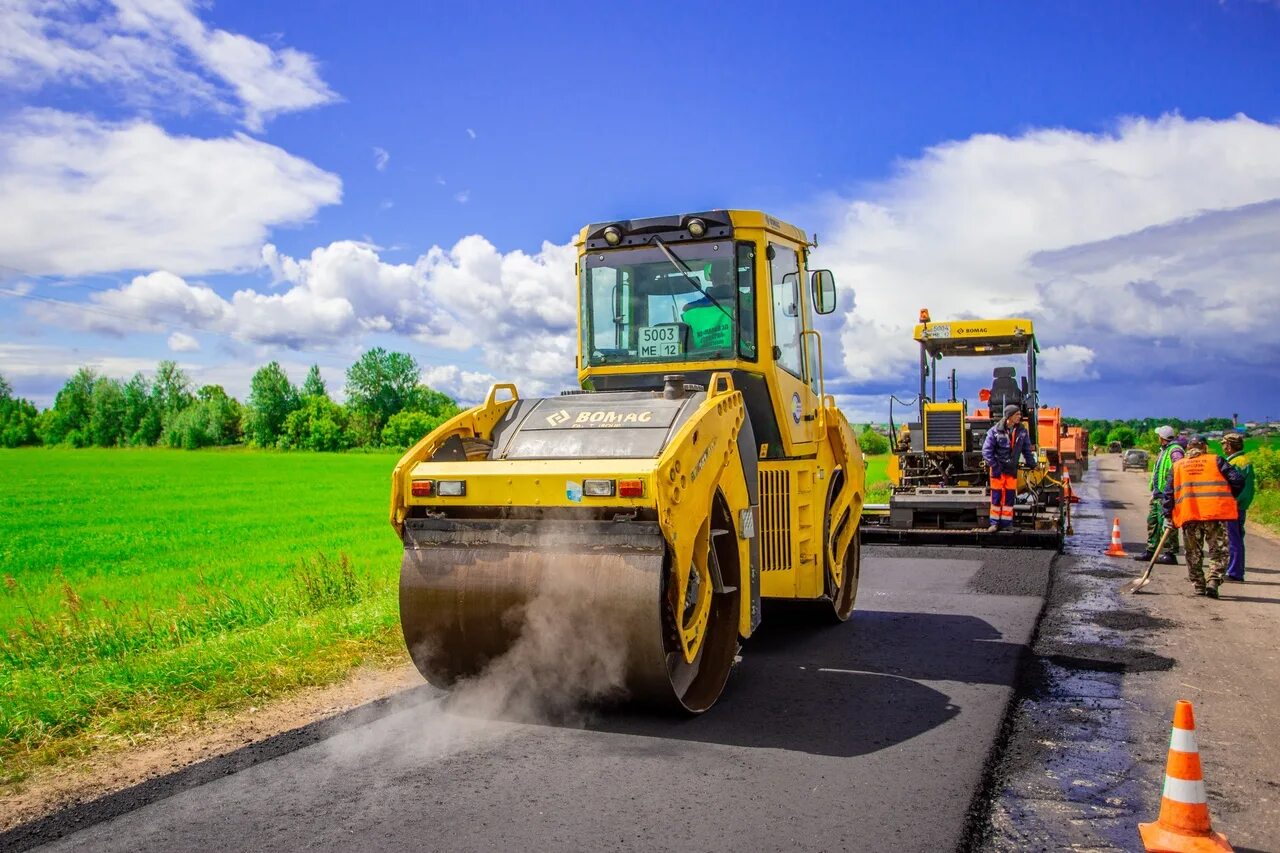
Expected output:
(466, 588)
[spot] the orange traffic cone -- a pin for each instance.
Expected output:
(1183, 826)
(1117, 547)
(1066, 482)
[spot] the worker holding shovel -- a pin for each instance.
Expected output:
(1199, 500)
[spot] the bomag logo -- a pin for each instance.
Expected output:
(971, 330)
(607, 418)
(557, 418)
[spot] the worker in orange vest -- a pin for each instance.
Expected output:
(1200, 499)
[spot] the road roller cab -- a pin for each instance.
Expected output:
(699, 467)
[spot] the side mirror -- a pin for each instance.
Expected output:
(792, 308)
(824, 291)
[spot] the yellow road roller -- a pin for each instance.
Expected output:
(699, 468)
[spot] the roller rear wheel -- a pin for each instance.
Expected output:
(841, 581)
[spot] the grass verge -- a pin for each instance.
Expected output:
(878, 479)
(1265, 510)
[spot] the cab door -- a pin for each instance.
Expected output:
(797, 403)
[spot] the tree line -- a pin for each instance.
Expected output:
(1140, 432)
(386, 406)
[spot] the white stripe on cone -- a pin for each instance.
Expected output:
(1183, 740)
(1184, 791)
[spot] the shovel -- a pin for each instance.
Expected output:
(1134, 586)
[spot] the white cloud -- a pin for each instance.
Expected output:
(80, 196)
(1115, 243)
(380, 159)
(471, 133)
(182, 342)
(37, 371)
(515, 311)
(462, 197)
(156, 53)
(464, 386)
(1067, 363)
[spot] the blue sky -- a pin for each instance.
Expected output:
(1112, 169)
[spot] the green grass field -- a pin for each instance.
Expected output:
(877, 479)
(1252, 442)
(146, 587)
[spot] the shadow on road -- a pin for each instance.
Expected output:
(841, 691)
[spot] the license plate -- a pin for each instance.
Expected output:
(660, 341)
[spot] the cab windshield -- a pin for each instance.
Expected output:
(640, 305)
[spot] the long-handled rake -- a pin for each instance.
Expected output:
(1135, 585)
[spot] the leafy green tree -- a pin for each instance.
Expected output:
(1123, 434)
(67, 422)
(872, 442)
(432, 402)
(381, 384)
(271, 398)
(106, 415)
(18, 419)
(1215, 424)
(141, 419)
(223, 413)
(212, 420)
(313, 385)
(320, 424)
(171, 389)
(404, 429)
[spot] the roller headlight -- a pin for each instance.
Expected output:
(613, 235)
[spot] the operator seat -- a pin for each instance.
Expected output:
(1004, 388)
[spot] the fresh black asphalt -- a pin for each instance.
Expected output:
(873, 735)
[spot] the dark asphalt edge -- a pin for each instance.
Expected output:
(83, 815)
(977, 824)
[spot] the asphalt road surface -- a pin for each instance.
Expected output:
(873, 735)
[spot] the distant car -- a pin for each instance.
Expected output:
(1138, 459)
(1115, 447)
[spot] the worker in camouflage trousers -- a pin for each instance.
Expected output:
(1161, 480)
(1233, 448)
(1199, 502)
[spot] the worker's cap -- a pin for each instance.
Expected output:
(1233, 439)
(1012, 409)
(1198, 441)
(1166, 432)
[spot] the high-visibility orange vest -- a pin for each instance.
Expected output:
(1200, 492)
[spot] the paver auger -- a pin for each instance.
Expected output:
(700, 469)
